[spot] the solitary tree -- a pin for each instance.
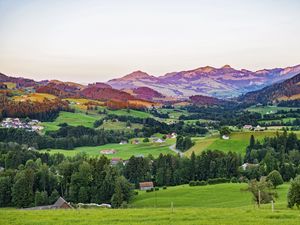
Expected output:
(224, 131)
(294, 193)
(262, 191)
(275, 177)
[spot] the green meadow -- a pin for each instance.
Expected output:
(118, 125)
(228, 195)
(223, 204)
(237, 143)
(267, 109)
(73, 119)
(124, 151)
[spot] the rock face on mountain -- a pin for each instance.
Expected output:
(221, 82)
(286, 90)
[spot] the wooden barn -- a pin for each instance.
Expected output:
(59, 204)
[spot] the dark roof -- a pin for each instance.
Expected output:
(60, 201)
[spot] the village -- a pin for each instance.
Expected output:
(27, 124)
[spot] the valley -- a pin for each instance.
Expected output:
(203, 157)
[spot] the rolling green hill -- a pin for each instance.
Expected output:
(214, 205)
(73, 119)
(237, 143)
(227, 195)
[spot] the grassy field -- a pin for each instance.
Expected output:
(34, 97)
(209, 196)
(153, 216)
(123, 151)
(73, 119)
(109, 125)
(237, 143)
(267, 109)
(223, 204)
(131, 112)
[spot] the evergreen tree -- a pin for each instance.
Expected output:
(118, 197)
(22, 191)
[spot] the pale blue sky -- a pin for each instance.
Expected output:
(87, 41)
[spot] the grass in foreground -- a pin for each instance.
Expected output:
(161, 216)
(213, 204)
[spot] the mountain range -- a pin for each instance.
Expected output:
(224, 82)
(286, 90)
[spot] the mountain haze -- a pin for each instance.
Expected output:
(221, 82)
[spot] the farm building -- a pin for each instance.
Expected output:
(123, 142)
(59, 204)
(115, 161)
(248, 127)
(158, 140)
(225, 137)
(246, 166)
(259, 128)
(146, 186)
(108, 151)
(135, 142)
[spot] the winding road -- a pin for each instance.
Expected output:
(173, 148)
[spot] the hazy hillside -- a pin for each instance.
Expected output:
(289, 89)
(219, 82)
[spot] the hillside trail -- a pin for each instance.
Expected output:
(173, 148)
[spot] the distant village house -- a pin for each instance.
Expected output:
(146, 186)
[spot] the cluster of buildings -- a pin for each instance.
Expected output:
(253, 128)
(31, 125)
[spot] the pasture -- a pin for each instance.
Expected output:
(267, 109)
(118, 125)
(237, 143)
(227, 195)
(124, 151)
(73, 119)
(214, 205)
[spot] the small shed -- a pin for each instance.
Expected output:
(146, 186)
(59, 204)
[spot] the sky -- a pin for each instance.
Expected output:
(88, 41)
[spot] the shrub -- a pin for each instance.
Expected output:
(156, 189)
(234, 180)
(192, 183)
(164, 187)
(217, 180)
(198, 183)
